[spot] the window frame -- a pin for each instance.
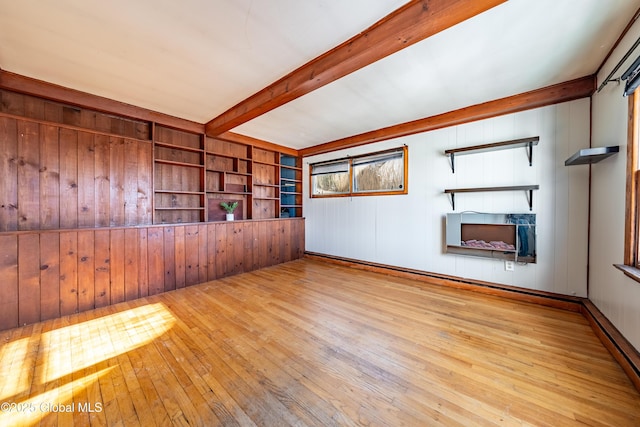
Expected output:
(631, 258)
(632, 199)
(352, 192)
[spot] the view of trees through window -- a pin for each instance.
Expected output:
(385, 174)
(331, 183)
(382, 172)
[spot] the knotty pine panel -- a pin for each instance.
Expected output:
(9, 283)
(52, 273)
(54, 177)
(8, 174)
(50, 177)
(28, 176)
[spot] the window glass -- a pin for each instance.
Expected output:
(330, 178)
(379, 172)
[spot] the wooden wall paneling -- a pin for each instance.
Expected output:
(28, 278)
(143, 266)
(9, 282)
(68, 272)
(117, 256)
(86, 180)
(237, 259)
(230, 252)
(52, 112)
(102, 184)
(299, 238)
(192, 255)
(263, 245)
(248, 259)
(131, 182)
(49, 275)
(117, 180)
(132, 263)
(28, 175)
(68, 178)
(145, 183)
(169, 259)
(102, 278)
(49, 177)
(86, 268)
(286, 242)
(221, 250)
(211, 251)
(71, 115)
(8, 174)
(15, 82)
(34, 107)
(180, 257)
(203, 243)
(155, 253)
(12, 103)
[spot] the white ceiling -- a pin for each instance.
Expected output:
(195, 59)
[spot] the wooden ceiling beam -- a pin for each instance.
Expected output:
(413, 22)
(568, 91)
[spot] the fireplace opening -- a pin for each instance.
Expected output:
(499, 236)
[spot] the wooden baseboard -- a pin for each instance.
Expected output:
(619, 347)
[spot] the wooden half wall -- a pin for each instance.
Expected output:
(52, 273)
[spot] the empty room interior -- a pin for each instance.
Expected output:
(320, 213)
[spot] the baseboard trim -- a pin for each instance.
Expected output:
(619, 347)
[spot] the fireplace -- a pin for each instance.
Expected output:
(498, 236)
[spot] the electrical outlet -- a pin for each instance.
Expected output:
(509, 266)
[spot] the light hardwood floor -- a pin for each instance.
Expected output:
(312, 343)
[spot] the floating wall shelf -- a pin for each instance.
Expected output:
(591, 155)
(527, 143)
(528, 189)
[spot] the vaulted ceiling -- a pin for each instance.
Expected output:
(197, 59)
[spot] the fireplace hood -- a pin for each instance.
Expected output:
(591, 155)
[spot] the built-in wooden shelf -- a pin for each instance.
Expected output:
(175, 163)
(527, 143)
(195, 193)
(526, 188)
(179, 208)
(178, 147)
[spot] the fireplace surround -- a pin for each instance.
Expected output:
(510, 236)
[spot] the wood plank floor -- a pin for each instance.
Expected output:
(311, 343)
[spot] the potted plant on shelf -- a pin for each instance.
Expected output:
(229, 207)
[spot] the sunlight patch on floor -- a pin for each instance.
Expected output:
(42, 373)
(77, 347)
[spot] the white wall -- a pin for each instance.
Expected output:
(408, 231)
(617, 296)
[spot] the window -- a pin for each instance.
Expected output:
(330, 179)
(379, 173)
(632, 208)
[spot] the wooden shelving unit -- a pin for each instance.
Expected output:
(527, 143)
(178, 168)
(193, 174)
(290, 186)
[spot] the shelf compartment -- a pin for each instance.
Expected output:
(178, 147)
(528, 189)
(176, 163)
(527, 143)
